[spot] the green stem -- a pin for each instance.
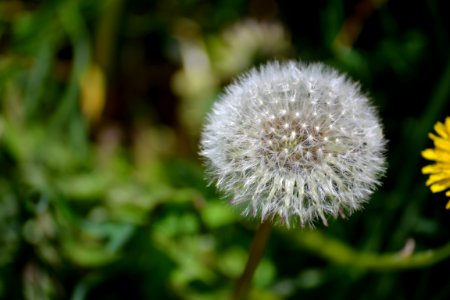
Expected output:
(340, 253)
(107, 34)
(256, 253)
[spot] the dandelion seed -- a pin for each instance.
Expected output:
(439, 179)
(314, 173)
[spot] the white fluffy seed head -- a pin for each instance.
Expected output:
(317, 149)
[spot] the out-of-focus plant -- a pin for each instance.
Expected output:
(209, 62)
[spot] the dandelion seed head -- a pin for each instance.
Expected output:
(303, 160)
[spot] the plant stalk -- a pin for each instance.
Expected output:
(257, 249)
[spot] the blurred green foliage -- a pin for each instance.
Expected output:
(102, 195)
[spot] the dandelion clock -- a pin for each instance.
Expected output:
(294, 142)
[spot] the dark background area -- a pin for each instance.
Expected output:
(102, 192)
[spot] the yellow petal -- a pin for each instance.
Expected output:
(447, 193)
(435, 178)
(440, 186)
(447, 124)
(430, 169)
(442, 156)
(441, 130)
(429, 154)
(437, 155)
(442, 168)
(443, 144)
(448, 205)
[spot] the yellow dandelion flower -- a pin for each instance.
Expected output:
(439, 172)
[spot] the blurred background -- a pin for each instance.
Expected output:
(102, 192)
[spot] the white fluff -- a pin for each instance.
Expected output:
(298, 141)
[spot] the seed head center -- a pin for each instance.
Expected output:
(290, 142)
